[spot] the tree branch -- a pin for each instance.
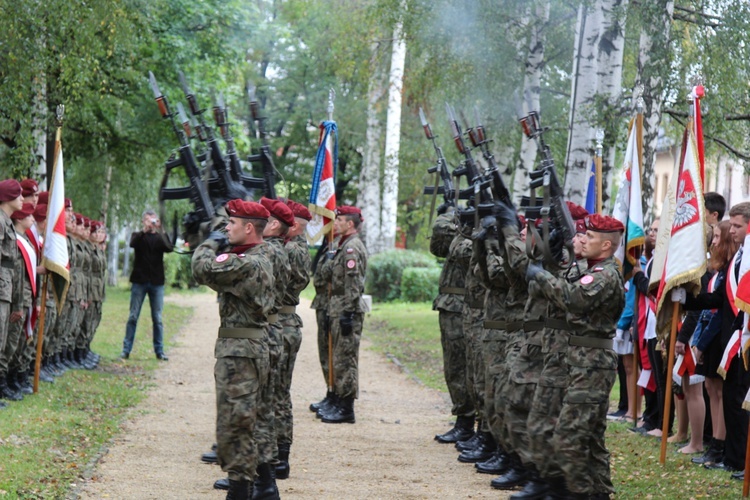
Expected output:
(717, 140)
(688, 19)
(696, 13)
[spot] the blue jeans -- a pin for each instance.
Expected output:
(156, 301)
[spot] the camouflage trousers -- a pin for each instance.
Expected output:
(321, 315)
(10, 355)
(454, 362)
(4, 322)
(66, 325)
(522, 381)
(291, 336)
(239, 383)
(475, 380)
(266, 424)
(501, 385)
(91, 317)
(547, 402)
(493, 349)
(346, 357)
(50, 318)
(28, 354)
(578, 438)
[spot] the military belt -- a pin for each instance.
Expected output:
(558, 324)
(477, 304)
(6, 263)
(512, 326)
(288, 309)
(242, 333)
(454, 290)
(533, 326)
(273, 318)
(495, 325)
(593, 342)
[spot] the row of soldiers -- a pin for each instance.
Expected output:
(258, 261)
(528, 351)
(68, 332)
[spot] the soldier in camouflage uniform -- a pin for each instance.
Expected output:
(82, 333)
(10, 201)
(446, 242)
(98, 289)
(320, 304)
(45, 372)
(593, 304)
(291, 323)
(244, 278)
(345, 270)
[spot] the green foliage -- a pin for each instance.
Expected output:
(177, 271)
(419, 284)
(384, 272)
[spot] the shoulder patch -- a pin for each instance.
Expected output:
(349, 250)
(587, 280)
(597, 269)
(222, 257)
(351, 264)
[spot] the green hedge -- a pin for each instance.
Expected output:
(384, 272)
(419, 284)
(177, 271)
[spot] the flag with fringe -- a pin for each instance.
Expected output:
(55, 249)
(323, 193)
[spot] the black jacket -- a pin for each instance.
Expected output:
(149, 257)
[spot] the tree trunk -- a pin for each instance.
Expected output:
(653, 63)
(392, 141)
(126, 259)
(585, 81)
(113, 249)
(40, 130)
(368, 198)
(531, 91)
(107, 189)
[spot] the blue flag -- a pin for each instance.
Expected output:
(591, 193)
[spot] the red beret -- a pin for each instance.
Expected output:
(86, 221)
(43, 197)
(603, 224)
(576, 211)
(580, 226)
(95, 224)
(348, 210)
(79, 219)
(279, 210)
(68, 203)
(40, 213)
(29, 187)
(247, 210)
(26, 210)
(10, 189)
(299, 210)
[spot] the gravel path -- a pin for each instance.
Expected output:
(388, 453)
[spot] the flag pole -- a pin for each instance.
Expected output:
(331, 97)
(633, 390)
(638, 96)
(746, 478)
(598, 164)
(40, 334)
(668, 390)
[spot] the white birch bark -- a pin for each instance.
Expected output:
(653, 57)
(531, 91)
(40, 130)
(581, 133)
(368, 198)
(392, 141)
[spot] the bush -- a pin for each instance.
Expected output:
(384, 272)
(177, 271)
(419, 284)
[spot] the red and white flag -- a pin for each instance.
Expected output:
(30, 262)
(680, 255)
(731, 351)
(55, 251)
(323, 192)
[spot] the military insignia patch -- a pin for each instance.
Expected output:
(349, 250)
(222, 257)
(587, 280)
(351, 263)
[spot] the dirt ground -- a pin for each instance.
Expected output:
(388, 453)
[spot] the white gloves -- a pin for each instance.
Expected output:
(679, 295)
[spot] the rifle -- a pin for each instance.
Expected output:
(479, 139)
(229, 182)
(554, 209)
(440, 169)
(264, 156)
(196, 192)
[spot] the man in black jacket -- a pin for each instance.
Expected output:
(147, 277)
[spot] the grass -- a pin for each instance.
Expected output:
(410, 332)
(48, 440)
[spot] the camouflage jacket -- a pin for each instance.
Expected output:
(22, 296)
(98, 273)
(452, 283)
(245, 283)
(593, 303)
(516, 262)
(8, 253)
(346, 272)
(299, 262)
(276, 253)
(74, 260)
(87, 250)
(492, 273)
(444, 229)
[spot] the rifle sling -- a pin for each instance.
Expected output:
(434, 197)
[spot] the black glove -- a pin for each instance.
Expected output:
(443, 208)
(487, 229)
(556, 244)
(506, 216)
(533, 270)
(346, 322)
(220, 238)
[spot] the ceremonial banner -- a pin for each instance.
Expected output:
(323, 192)
(680, 255)
(55, 250)
(591, 192)
(628, 207)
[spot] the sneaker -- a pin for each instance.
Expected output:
(162, 357)
(616, 415)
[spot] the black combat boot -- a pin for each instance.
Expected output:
(22, 379)
(221, 484)
(484, 449)
(470, 443)
(343, 414)
(65, 360)
(557, 489)
(282, 468)
(240, 490)
(45, 372)
(333, 403)
(7, 393)
(314, 407)
(535, 488)
(462, 431)
(13, 383)
(265, 484)
(84, 360)
(72, 359)
(498, 464)
(514, 476)
(209, 457)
